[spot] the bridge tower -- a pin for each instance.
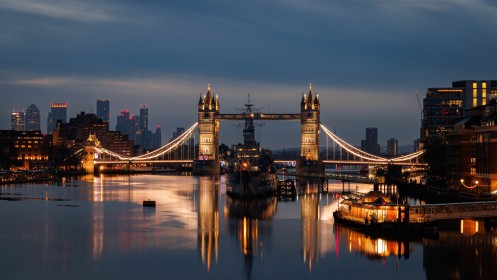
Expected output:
(207, 162)
(309, 122)
(88, 160)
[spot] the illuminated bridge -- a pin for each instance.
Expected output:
(198, 145)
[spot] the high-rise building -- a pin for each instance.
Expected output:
(58, 113)
(124, 122)
(370, 145)
(178, 132)
(443, 110)
(32, 118)
(444, 107)
(157, 138)
(17, 121)
(103, 110)
(392, 147)
(143, 118)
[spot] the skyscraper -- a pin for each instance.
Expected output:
(143, 118)
(17, 121)
(157, 138)
(392, 147)
(370, 145)
(58, 112)
(32, 118)
(103, 110)
(124, 122)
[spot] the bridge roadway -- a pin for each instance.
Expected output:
(446, 211)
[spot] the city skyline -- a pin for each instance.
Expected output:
(365, 60)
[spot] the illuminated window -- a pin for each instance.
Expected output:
(475, 85)
(484, 85)
(484, 96)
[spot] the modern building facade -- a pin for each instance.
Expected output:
(58, 112)
(444, 110)
(143, 118)
(392, 147)
(103, 110)
(123, 124)
(370, 145)
(17, 121)
(444, 107)
(32, 118)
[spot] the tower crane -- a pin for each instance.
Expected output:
(419, 103)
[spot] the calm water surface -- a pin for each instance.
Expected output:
(96, 228)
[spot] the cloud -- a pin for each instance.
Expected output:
(86, 11)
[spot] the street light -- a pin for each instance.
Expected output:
(470, 187)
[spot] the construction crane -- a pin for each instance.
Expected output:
(419, 103)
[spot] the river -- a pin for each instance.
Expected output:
(97, 228)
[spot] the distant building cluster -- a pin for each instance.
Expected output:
(136, 127)
(370, 144)
(25, 147)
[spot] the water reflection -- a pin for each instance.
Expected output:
(208, 220)
(468, 254)
(244, 222)
(110, 232)
(317, 234)
(372, 248)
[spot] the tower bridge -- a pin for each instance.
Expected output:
(207, 161)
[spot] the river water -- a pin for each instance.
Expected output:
(97, 228)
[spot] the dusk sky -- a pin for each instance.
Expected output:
(364, 58)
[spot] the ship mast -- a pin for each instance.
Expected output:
(249, 131)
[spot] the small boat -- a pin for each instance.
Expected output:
(375, 213)
(149, 203)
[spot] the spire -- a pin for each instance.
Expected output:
(310, 93)
(208, 97)
(200, 100)
(316, 99)
(302, 102)
(217, 102)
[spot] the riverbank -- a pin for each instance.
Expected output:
(438, 195)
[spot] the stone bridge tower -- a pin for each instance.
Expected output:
(88, 160)
(208, 158)
(309, 122)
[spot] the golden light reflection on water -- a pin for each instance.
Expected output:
(244, 221)
(317, 229)
(373, 248)
(172, 224)
(208, 221)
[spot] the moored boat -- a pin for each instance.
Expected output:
(375, 213)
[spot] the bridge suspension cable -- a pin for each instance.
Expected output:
(158, 152)
(364, 155)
